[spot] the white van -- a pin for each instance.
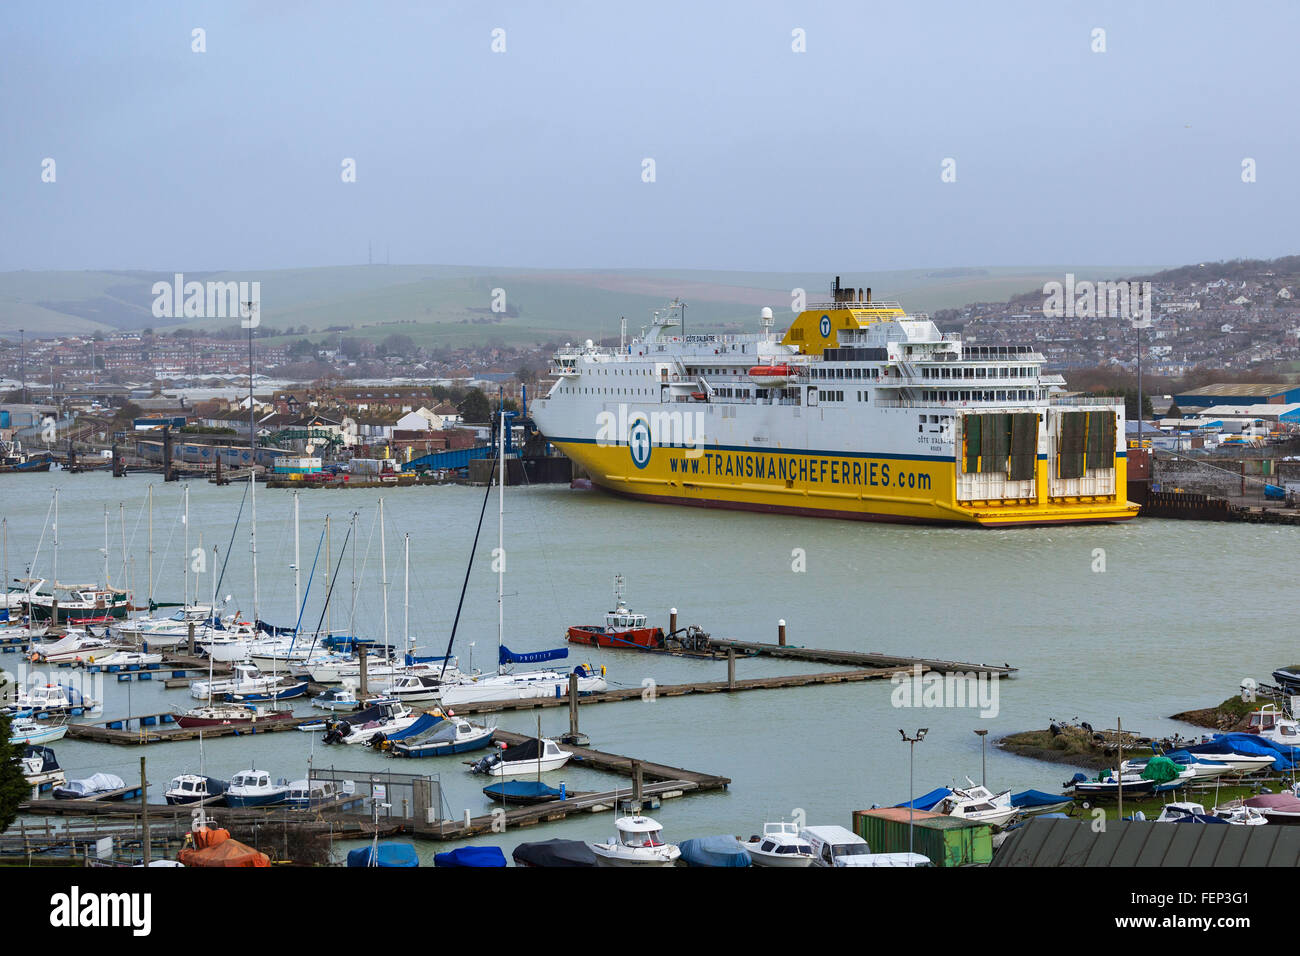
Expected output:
(836, 846)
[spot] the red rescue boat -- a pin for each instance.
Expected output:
(623, 627)
(772, 374)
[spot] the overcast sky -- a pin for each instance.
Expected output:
(764, 158)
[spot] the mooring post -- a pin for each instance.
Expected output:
(636, 782)
(144, 811)
(363, 653)
(731, 668)
(780, 632)
(573, 704)
(672, 620)
(190, 649)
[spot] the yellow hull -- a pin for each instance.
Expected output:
(855, 487)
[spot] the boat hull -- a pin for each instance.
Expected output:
(240, 801)
(637, 638)
(191, 722)
(442, 750)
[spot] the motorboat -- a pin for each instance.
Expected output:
(70, 601)
(127, 659)
(338, 699)
(364, 726)
(40, 767)
(439, 738)
(554, 853)
(979, 804)
(245, 679)
(1272, 724)
(531, 756)
(413, 688)
(1108, 785)
(48, 700)
(1242, 815)
(253, 788)
(276, 692)
(193, 788)
(716, 852)
(780, 845)
(637, 841)
(74, 647)
(310, 794)
(89, 788)
(170, 631)
(1036, 801)
(1201, 768)
(524, 792)
(1279, 808)
(225, 715)
(25, 730)
(623, 627)
(524, 685)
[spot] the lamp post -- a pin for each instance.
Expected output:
(982, 734)
(911, 792)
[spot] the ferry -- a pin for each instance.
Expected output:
(861, 410)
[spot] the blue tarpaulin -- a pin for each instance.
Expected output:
(1028, 799)
(507, 656)
(929, 801)
(476, 856)
(390, 854)
(1287, 758)
(717, 851)
(422, 723)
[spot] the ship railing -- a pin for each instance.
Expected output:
(982, 404)
(854, 304)
(1111, 400)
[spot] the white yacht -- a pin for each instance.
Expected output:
(637, 841)
(979, 804)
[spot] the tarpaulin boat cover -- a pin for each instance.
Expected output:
(1028, 799)
(1287, 758)
(928, 801)
(1160, 769)
(507, 656)
(275, 631)
(555, 853)
(1183, 757)
(475, 856)
(522, 789)
(377, 712)
(224, 854)
(412, 659)
(1275, 801)
(529, 749)
(390, 854)
(1200, 818)
(48, 761)
(425, 722)
(716, 851)
(96, 783)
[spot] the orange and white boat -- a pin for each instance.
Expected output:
(623, 627)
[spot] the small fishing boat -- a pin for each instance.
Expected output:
(439, 737)
(554, 853)
(1272, 724)
(193, 787)
(41, 768)
(979, 804)
(78, 601)
(637, 841)
(310, 794)
(25, 730)
(224, 715)
(523, 792)
(96, 785)
(532, 756)
(623, 627)
(780, 845)
(714, 851)
(253, 788)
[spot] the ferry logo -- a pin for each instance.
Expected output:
(638, 442)
(76, 909)
(826, 326)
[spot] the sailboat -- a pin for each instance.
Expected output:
(74, 603)
(507, 684)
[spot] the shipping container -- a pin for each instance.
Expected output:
(947, 841)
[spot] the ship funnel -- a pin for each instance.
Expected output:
(868, 293)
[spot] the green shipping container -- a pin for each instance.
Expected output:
(946, 840)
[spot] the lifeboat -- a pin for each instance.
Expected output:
(771, 374)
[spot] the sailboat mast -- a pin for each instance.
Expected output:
(501, 533)
(105, 546)
(56, 539)
(406, 595)
(121, 520)
(252, 495)
(151, 549)
(383, 568)
(185, 558)
(329, 612)
(211, 635)
(297, 562)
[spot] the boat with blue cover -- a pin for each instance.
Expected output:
(714, 851)
(552, 853)
(478, 857)
(436, 736)
(385, 854)
(524, 792)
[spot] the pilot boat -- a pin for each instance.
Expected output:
(637, 841)
(193, 787)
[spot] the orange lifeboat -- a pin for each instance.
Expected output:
(771, 374)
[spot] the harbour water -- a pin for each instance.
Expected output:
(1130, 621)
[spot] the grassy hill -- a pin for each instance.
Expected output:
(451, 305)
